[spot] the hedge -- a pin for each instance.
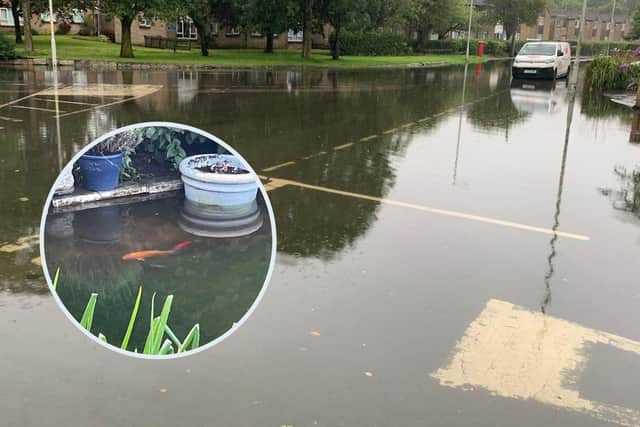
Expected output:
(372, 43)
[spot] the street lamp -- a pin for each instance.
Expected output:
(54, 56)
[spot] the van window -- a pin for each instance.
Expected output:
(538, 49)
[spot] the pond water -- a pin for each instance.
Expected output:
(406, 220)
(214, 280)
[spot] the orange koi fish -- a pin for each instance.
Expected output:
(142, 255)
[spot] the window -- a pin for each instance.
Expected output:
(256, 34)
(540, 20)
(144, 22)
(77, 16)
(185, 29)
(295, 36)
(608, 26)
(233, 31)
(6, 18)
(45, 17)
(214, 28)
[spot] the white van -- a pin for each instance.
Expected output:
(542, 59)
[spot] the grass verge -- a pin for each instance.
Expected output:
(73, 48)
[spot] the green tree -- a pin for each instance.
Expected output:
(339, 13)
(435, 16)
(270, 17)
(512, 13)
(127, 12)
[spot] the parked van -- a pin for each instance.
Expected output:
(542, 60)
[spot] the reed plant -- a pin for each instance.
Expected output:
(161, 340)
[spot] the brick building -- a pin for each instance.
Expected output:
(565, 26)
(225, 37)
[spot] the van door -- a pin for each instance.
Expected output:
(566, 57)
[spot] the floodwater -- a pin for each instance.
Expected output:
(214, 280)
(437, 265)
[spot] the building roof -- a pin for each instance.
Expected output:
(589, 16)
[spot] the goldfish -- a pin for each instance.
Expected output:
(142, 255)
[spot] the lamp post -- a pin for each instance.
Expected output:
(573, 80)
(54, 56)
(612, 28)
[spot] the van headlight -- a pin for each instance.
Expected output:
(549, 61)
(517, 60)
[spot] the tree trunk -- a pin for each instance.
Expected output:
(306, 29)
(422, 36)
(26, 12)
(203, 34)
(513, 44)
(269, 47)
(335, 43)
(126, 50)
(16, 21)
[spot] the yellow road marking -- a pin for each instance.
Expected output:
(388, 131)
(26, 107)
(10, 119)
(25, 242)
(368, 138)
(101, 106)
(445, 212)
(515, 353)
(407, 125)
(281, 165)
(343, 146)
(65, 102)
(274, 184)
(103, 89)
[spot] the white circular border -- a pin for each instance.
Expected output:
(235, 325)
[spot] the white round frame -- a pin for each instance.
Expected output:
(237, 324)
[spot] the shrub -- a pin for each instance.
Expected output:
(491, 47)
(372, 43)
(611, 72)
(7, 48)
(63, 28)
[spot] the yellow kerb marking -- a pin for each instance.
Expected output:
(343, 146)
(407, 125)
(281, 165)
(515, 353)
(368, 138)
(25, 242)
(388, 131)
(445, 212)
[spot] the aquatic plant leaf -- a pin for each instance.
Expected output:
(87, 316)
(156, 331)
(166, 348)
(55, 278)
(192, 338)
(172, 336)
(102, 337)
(132, 321)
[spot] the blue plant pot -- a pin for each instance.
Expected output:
(100, 173)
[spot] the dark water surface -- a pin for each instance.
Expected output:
(388, 250)
(214, 281)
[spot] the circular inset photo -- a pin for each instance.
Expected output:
(157, 240)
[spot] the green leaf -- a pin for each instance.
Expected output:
(172, 336)
(166, 348)
(102, 337)
(87, 316)
(55, 278)
(132, 320)
(192, 339)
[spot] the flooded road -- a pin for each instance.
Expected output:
(430, 271)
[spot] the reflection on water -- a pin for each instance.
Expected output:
(214, 281)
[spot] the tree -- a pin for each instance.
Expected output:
(339, 13)
(512, 13)
(270, 17)
(307, 22)
(127, 12)
(15, 11)
(435, 16)
(28, 39)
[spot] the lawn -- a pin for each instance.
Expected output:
(72, 48)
